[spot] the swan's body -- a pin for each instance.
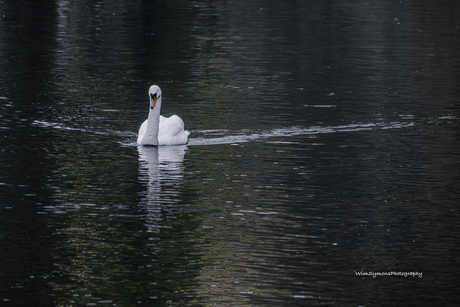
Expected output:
(160, 130)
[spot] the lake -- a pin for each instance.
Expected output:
(322, 166)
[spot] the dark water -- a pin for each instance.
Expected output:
(325, 141)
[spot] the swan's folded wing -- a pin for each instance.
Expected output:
(142, 131)
(172, 131)
(171, 125)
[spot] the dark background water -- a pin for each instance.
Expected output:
(324, 141)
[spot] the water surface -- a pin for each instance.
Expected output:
(324, 142)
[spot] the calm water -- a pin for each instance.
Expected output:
(325, 140)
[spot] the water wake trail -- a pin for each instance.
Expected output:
(226, 136)
(247, 136)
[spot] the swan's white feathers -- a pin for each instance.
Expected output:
(161, 130)
(172, 131)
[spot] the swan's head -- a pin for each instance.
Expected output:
(155, 95)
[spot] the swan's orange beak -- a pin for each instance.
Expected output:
(153, 100)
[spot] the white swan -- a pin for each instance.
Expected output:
(160, 130)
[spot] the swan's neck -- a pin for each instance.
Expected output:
(153, 124)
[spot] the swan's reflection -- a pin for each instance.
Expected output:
(162, 169)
